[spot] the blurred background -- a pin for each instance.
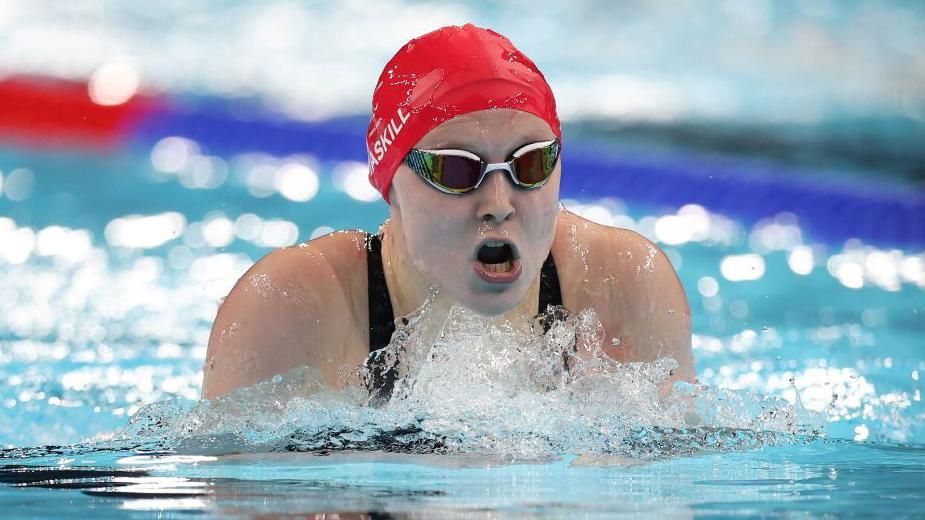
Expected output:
(150, 154)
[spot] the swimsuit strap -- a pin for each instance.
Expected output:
(379, 380)
(550, 293)
(381, 317)
(550, 305)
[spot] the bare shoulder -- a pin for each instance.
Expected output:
(278, 316)
(609, 253)
(631, 284)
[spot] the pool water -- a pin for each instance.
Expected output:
(818, 478)
(112, 266)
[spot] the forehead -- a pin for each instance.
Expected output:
(488, 131)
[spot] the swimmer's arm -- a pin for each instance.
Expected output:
(263, 328)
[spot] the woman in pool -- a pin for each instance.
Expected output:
(465, 146)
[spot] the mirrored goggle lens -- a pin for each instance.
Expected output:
(535, 166)
(455, 173)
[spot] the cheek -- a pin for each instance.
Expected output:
(541, 229)
(539, 213)
(434, 232)
(539, 216)
(423, 222)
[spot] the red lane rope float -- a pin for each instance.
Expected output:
(52, 113)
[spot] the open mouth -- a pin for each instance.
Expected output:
(497, 261)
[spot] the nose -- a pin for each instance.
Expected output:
(495, 193)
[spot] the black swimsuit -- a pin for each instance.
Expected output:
(381, 380)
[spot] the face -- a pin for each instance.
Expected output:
(454, 239)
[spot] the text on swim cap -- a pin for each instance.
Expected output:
(381, 146)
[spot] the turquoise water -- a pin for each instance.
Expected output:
(831, 477)
(111, 268)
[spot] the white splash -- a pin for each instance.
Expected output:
(467, 384)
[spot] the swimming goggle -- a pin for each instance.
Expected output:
(458, 171)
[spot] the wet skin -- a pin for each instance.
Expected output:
(307, 304)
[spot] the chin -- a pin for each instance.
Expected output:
(489, 310)
(491, 305)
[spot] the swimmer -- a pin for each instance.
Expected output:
(465, 146)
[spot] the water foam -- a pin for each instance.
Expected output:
(467, 384)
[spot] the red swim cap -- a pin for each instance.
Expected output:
(443, 74)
